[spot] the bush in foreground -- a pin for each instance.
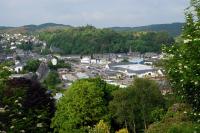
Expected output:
(25, 107)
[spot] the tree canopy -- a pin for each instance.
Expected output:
(32, 65)
(84, 104)
(176, 120)
(182, 62)
(52, 80)
(89, 40)
(131, 108)
(60, 64)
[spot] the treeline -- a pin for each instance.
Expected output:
(92, 106)
(89, 101)
(28, 107)
(89, 40)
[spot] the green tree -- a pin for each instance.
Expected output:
(122, 131)
(123, 108)
(87, 40)
(176, 120)
(132, 107)
(25, 46)
(32, 65)
(60, 64)
(4, 72)
(83, 105)
(52, 80)
(158, 114)
(182, 60)
(148, 97)
(101, 127)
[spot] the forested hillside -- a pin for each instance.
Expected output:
(26, 29)
(173, 29)
(89, 40)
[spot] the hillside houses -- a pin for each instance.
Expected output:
(115, 68)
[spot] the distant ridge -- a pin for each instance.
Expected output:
(173, 29)
(33, 28)
(4, 27)
(45, 26)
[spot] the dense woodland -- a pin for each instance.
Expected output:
(89, 40)
(173, 29)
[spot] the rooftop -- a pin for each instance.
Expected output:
(135, 67)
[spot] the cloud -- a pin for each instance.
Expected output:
(100, 13)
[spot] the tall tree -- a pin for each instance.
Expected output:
(32, 65)
(83, 105)
(101, 127)
(182, 60)
(52, 80)
(131, 108)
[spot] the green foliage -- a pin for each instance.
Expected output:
(157, 114)
(83, 105)
(60, 64)
(101, 127)
(184, 128)
(89, 40)
(5, 70)
(26, 107)
(173, 29)
(4, 73)
(175, 121)
(182, 60)
(52, 80)
(132, 107)
(122, 107)
(32, 65)
(171, 99)
(7, 63)
(25, 46)
(122, 131)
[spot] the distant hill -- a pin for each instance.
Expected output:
(33, 28)
(4, 27)
(173, 29)
(45, 26)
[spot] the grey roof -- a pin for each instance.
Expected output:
(112, 67)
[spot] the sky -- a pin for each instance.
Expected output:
(99, 13)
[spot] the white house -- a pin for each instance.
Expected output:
(95, 61)
(18, 68)
(13, 47)
(86, 60)
(12, 43)
(17, 62)
(54, 61)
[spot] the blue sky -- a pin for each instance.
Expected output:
(100, 13)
